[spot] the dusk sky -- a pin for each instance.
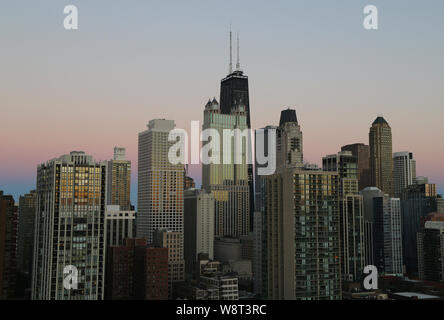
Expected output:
(131, 61)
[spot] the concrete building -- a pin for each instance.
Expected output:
(381, 161)
(8, 238)
(303, 223)
(70, 228)
(119, 180)
(119, 225)
(404, 173)
(160, 182)
(362, 152)
(387, 235)
(199, 227)
(418, 200)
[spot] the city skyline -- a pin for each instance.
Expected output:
(130, 82)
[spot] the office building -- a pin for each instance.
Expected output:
(119, 225)
(25, 237)
(289, 143)
(160, 182)
(387, 235)
(381, 161)
(228, 182)
(418, 200)
(71, 204)
(362, 152)
(404, 173)
(430, 243)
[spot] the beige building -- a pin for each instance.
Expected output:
(381, 160)
(303, 240)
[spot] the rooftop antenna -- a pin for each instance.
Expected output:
(230, 69)
(238, 59)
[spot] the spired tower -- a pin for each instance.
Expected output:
(381, 161)
(234, 91)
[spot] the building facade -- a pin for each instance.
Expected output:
(303, 225)
(362, 152)
(70, 228)
(227, 180)
(381, 161)
(160, 182)
(119, 180)
(404, 173)
(198, 227)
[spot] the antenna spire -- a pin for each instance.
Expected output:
(230, 69)
(238, 58)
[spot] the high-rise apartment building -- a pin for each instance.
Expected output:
(228, 182)
(381, 161)
(119, 180)
(362, 152)
(160, 182)
(8, 238)
(303, 239)
(70, 228)
(198, 227)
(351, 212)
(387, 235)
(404, 173)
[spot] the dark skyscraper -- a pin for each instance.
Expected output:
(233, 91)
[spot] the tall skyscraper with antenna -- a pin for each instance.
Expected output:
(234, 91)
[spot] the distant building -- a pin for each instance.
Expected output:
(418, 200)
(362, 152)
(381, 161)
(119, 180)
(387, 235)
(198, 227)
(25, 238)
(136, 272)
(119, 225)
(289, 143)
(8, 238)
(404, 173)
(430, 245)
(176, 265)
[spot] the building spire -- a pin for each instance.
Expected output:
(230, 68)
(238, 58)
